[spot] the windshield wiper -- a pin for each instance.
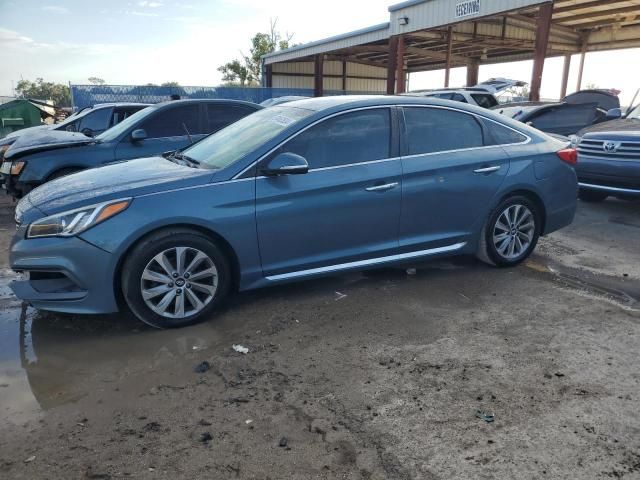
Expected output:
(185, 160)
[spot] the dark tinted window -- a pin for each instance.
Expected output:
(485, 100)
(459, 98)
(570, 118)
(501, 135)
(120, 113)
(219, 116)
(350, 138)
(444, 96)
(171, 122)
(97, 120)
(432, 130)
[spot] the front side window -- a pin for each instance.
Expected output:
(173, 122)
(431, 130)
(353, 137)
(97, 120)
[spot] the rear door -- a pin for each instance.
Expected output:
(451, 173)
(346, 209)
(170, 128)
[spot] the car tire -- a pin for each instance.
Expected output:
(592, 196)
(158, 278)
(511, 232)
(63, 172)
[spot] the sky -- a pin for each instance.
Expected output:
(155, 41)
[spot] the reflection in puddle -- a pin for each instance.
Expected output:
(48, 360)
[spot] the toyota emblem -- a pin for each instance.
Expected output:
(611, 147)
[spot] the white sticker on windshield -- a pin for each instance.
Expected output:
(282, 120)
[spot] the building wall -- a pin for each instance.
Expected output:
(360, 78)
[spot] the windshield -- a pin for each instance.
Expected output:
(72, 118)
(114, 132)
(635, 113)
(232, 143)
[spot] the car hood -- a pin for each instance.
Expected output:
(46, 140)
(29, 131)
(124, 179)
(624, 126)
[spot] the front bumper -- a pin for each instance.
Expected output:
(63, 274)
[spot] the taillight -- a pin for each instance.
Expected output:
(568, 155)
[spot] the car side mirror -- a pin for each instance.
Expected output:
(138, 135)
(285, 164)
(614, 114)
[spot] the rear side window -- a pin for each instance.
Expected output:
(171, 122)
(431, 130)
(97, 120)
(501, 135)
(459, 98)
(485, 100)
(349, 138)
(219, 116)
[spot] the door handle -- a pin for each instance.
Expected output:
(382, 188)
(495, 168)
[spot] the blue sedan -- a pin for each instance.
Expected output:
(292, 192)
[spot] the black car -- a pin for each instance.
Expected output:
(157, 129)
(609, 159)
(569, 115)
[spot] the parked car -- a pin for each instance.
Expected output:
(569, 115)
(292, 192)
(90, 121)
(482, 95)
(609, 159)
(156, 129)
(270, 102)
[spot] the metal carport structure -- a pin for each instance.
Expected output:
(424, 35)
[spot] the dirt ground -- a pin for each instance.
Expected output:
(376, 376)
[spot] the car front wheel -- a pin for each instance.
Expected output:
(511, 233)
(175, 278)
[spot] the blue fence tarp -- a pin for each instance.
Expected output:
(87, 95)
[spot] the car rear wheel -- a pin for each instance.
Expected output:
(511, 233)
(175, 278)
(592, 195)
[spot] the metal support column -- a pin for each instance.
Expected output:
(400, 74)
(318, 75)
(565, 76)
(447, 67)
(542, 40)
(391, 67)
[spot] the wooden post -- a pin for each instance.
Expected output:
(472, 72)
(318, 75)
(542, 40)
(269, 75)
(583, 54)
(400, 75)
(448, 61)
(391, 65)
(344, 75)
(565, 76)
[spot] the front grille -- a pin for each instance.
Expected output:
(595, 148)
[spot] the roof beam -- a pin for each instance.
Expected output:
(532, 24)
(601, 13)
(582, 6)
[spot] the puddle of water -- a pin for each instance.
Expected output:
(47, 360)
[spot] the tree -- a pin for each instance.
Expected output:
(248, 70)
(41, 90)
(170, 84)
(96, 81)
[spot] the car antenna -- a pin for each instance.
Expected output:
(631, 105)
(188, 134)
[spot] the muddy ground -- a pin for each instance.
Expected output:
(375, 376)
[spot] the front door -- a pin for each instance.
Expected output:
(345, 211)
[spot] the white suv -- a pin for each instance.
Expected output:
(481, 95)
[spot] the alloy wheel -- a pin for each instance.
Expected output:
(513, 231)
(179, 282)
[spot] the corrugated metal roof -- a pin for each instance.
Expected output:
(357, 37)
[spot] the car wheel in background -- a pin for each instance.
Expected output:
(511, 233)
(592, 195)
(175, 278)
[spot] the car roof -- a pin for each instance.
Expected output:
(118, 104)
(206, 100)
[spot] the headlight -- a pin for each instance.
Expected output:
(575, 140)
(67, 224)
(16, 167)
